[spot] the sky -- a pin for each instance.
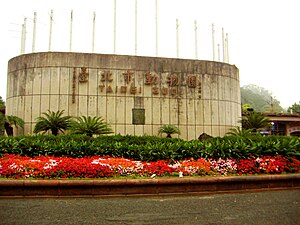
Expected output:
(263, 35)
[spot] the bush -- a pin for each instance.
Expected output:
(149, 148)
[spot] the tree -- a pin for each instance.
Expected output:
(255, 121)
(2, 116)
(11, 121)
(260, 99)
(169, 129)
(53, 121)
(295, 108)
(89, 126)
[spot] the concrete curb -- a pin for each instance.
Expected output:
(135, 187)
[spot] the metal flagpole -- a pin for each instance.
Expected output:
(156, 28)
(135, 33)
(196, 40)
(219, 57)
(213, 41)
(23, 36)
(115, 24)
(50, 32)
(177, 38)
(34, 32)
(227, 48)
(93, 38)
(223, 45)
(71, 30)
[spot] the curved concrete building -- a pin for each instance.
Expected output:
(135, 95)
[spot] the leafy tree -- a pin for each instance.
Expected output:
(169, 129)
(260, 99)
(2, 116)
(53, 121)
(89, 126)
(238, 132)
(11, 121)
(295, 108)
(255, 121)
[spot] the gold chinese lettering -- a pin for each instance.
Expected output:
(101, 87)
(133, 90)
(173, 80)
(83, 75)
(151, 79)
(106, 76)
(155, 90)
(123, 89)
(128, 76)
(164, 91)
(173, 91)
(109, 89)
(192, 81)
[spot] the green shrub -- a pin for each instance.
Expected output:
(149, 148)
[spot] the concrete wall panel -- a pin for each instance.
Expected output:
(198, 96)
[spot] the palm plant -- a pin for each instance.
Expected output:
(169, 129)
(89, 126)
(10, 121)
(238, 132)
(255, 121)
(53, 121)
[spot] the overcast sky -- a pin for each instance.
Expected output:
(264, 35)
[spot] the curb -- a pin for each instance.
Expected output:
(136, 187)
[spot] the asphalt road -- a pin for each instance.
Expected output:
(265, 208)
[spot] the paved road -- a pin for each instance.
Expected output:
(265, 208)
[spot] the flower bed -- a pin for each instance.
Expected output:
(14, 166)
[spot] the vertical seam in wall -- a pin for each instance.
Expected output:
(59, 85)
(41, 88)
(194, 106)
(218, 94)
(202, 101)
(211, 103)
(97, 93)
(187, 112)
(68, 95)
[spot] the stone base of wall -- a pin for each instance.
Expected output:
(135, 187)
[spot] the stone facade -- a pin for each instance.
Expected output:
(135, 95)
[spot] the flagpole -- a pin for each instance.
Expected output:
(135, 30)
(71, 30)
(177, 38)
(227, 48)
(196, 39)
(213, 41)
(23, 36)
(115, 24)
(156, 28)
(34, 32)
(223, 45)
(50, 32)
(219, 57)
(93, 38)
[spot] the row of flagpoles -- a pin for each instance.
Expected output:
(216, 49)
